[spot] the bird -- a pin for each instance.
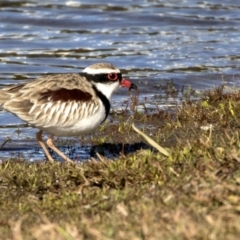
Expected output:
(65, 104)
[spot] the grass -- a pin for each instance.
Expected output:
(194, 193)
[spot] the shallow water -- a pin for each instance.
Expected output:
(188, 42)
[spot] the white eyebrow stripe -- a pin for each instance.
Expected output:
(100, 70)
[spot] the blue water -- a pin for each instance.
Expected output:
(186, 41)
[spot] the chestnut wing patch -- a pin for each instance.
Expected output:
(64, 95)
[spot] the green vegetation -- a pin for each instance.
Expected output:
(192, 194)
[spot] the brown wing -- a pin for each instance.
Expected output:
(60, 99)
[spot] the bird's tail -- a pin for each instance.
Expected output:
(4, 97)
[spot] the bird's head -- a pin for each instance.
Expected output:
(107, 78)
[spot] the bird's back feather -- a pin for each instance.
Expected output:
(66, 98)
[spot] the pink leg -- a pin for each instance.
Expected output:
(61, 154)
(40, 141)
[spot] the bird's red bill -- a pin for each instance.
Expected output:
(126, 83)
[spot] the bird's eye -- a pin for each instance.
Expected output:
(112, 76)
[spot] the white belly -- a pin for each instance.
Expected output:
(83, 126)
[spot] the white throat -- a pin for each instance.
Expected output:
(107, 89)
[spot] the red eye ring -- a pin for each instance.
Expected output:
(112, 76)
